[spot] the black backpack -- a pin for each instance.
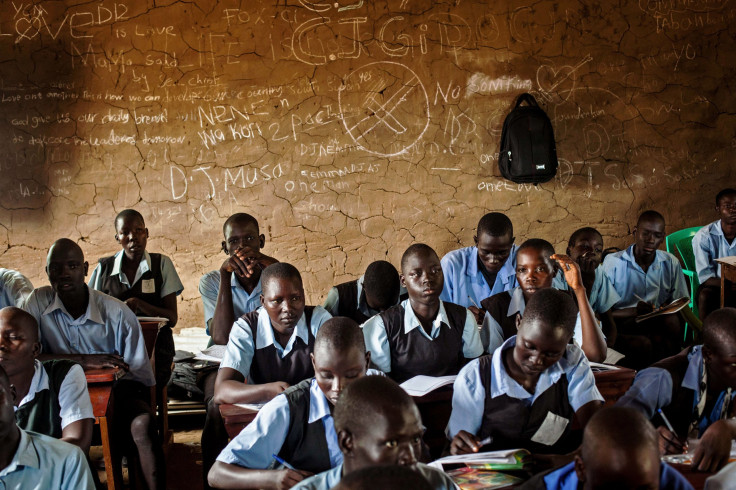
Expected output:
(528, 153)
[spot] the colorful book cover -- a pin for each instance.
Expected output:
(475, 479)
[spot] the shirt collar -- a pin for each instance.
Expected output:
(319, 407)
(694, 370)
(508, 269)
(517, 304)
(503, 384)
(25, 455)
(629, 255)
(411, 321)
(235, 284)
(39, 382)
(92, 314)
(143, 267)
(265, 335)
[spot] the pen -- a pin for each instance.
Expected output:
(473, 302)
(486, 441)
(669, 426)
(639, 298)
(282, 462)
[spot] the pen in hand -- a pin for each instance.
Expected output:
(670, 428)
(282, 462)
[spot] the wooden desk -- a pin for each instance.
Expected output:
(696, 478)
(150, 327)
(614, 384)
(236, 418)
(99, 385)
(728, 273)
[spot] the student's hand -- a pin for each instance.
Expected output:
(669, 443)
(100, 361)
(478, 314)
(714, 448)
(287, 478)
(571, 270)
(133, 304)
(643, 308)
(276, 388)
(588, 262)
(464, 443)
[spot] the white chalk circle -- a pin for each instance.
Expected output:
(384, 107)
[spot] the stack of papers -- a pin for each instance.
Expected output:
(509, 459)
(214, 353)
(421, 385)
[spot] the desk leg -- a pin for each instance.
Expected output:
(113, 466)
(723, 288)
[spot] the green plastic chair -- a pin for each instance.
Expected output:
(681, 243)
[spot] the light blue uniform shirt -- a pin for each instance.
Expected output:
(565, 478)
(107, 327)
(376, 339)
(468, 398)
(240, 348)
(602, 295)
(256, 444)
(42, 462)
(437, 479)
(170, 284)
(491, 333)
(710, 244)
(14, 288)
(243, 302)
(662, 283)
(463, 279)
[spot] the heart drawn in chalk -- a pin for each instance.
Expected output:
(558, 82)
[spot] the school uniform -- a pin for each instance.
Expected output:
(243, 302)
(709, 244)
(437, 479)
(57, 397)
(348, 299)
(154, 279)
(254, 352)
(603, 295)
(499, 322)
(44, 462)
(487, 402)
(677, 385)
(14, 288)
(565, 478)
(464, 277)
(402, 349)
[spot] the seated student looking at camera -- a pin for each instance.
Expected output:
(377, 424)
(297, 425)
(98, 331)
(475, 273)
(619, 451)
(536, 265)
(422, 335)
(14, 288)
(527, 393)
(375, 291)
(694, 389)
(711, 242)
(51, 397)
(31, 460)
(645, 278)
(147, 283)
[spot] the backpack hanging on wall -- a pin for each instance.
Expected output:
(528, 153)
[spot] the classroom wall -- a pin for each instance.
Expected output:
(352, 128)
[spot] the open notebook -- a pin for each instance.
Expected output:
(421, 385)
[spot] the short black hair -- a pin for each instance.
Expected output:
(381, 281)
(724, 193)
(23, 319)
(279, 270)
(552, 307)
(367, 398)
(392, 477)
(650, 215)
(129, 213)
(64, 244)
(540, 244)
(340, 334)
(416, 249)
(243, 218)
(719, 328)
(495, 224)
(580, 232)
(619, 428)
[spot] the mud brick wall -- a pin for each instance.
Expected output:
(352, 128)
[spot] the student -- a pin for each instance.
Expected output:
(536, 265)
(31, 460)
(619, 451)
(14, 288)
(51, 397)
(712, 242)
(377, 424)
(527, 393)
(694, 389)
(297, 425)
(227, 294)
(475, 273)
(375, 291)
(97, 331)
(422, 335)
(147, 283)
(646, 278)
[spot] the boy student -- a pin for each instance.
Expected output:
(645, 278)
(375, 291)
(475, 273)
(147, 283)
(527, 393)
(377, 424)
(14, 288)
(31, 460)
(297, 425)
(619, 451)
(422, 335)
(96, 330)
(695, 390)
(51, 397)
(535, 270)
(711, 242)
